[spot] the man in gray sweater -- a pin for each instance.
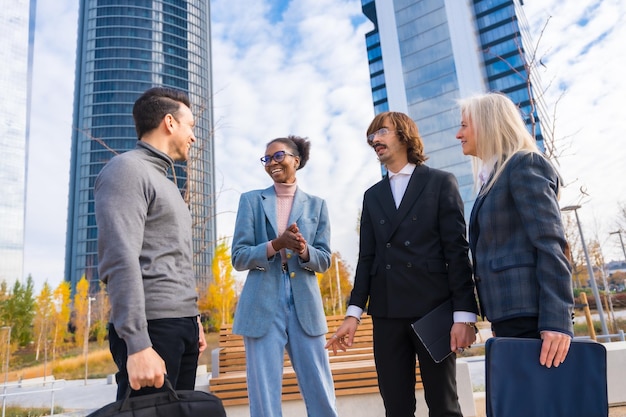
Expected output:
(145, 250)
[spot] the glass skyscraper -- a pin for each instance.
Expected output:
(124, 48)
(425, 54)
(17, 28)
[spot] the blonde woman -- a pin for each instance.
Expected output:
(516, 236)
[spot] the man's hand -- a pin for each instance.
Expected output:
(554, 348)
(344, 335)
(461, 337)
(201, 338)
(145, 369)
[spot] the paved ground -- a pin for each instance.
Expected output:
(79, 399)
(71, 395)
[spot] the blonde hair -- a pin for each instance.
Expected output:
(499, 130)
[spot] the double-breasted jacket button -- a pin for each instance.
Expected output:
(388, 245)
(382, 221)
(388, 266)
(407, 243)
(409, 265)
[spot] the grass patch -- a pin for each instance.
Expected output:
(72, 364)
(15, 411)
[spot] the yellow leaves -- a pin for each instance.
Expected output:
(218, 300)
(81, 300)
(335, 286)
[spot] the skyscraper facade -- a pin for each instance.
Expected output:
(124, 48)
(426, 54)
(17, 29)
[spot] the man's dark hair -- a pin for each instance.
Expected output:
(154, 105)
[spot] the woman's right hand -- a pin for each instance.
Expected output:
(291, 239)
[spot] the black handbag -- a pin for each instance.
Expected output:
(517, 385)
(170, 403)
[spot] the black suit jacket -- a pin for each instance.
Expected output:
(413, 258)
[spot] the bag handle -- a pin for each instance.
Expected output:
(126, 405)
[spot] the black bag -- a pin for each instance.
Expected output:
(518, 386)
(170, 403)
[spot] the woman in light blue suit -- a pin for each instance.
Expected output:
(282, 237)
(522, 275)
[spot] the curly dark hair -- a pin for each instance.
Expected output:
(300, 147)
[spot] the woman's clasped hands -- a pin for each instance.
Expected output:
(291, 239)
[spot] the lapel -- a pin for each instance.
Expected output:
(268, 200)
(416, 185)
(474, 227)
(385, 198)
(297, 207)
(418, 181)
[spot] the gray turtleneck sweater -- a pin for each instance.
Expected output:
(144, 243)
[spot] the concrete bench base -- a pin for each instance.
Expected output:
(616, 369)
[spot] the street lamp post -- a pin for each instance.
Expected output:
(339, 296)
(619, 232)
(86, 347)
(592, 279)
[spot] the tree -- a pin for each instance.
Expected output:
(597, 258)
(44, 309)
(337, 276)
(576, 254)
(81, 300)
(18, 312)
(219, 299)
(61, 316)
(102, 309)
(525, 64)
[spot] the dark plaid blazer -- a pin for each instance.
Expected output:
(517, 244)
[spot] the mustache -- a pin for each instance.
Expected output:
(377, 145)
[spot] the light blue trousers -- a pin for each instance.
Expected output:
(264, 357)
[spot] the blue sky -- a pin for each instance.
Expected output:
(301, 68)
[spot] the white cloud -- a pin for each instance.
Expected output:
(583, 48)
(307, 74)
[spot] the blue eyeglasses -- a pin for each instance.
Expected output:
(278, 157)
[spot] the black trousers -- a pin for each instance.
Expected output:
(175, 340)
(395, 350)
(526, 327)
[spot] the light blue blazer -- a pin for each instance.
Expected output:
(256, 225)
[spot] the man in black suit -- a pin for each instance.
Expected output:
(413, 256)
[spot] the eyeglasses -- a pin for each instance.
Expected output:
(278, 157)
(380, 132)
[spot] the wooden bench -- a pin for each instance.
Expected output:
(353, 371)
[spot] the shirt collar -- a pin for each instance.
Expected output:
(406, 170)
(487, 169)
